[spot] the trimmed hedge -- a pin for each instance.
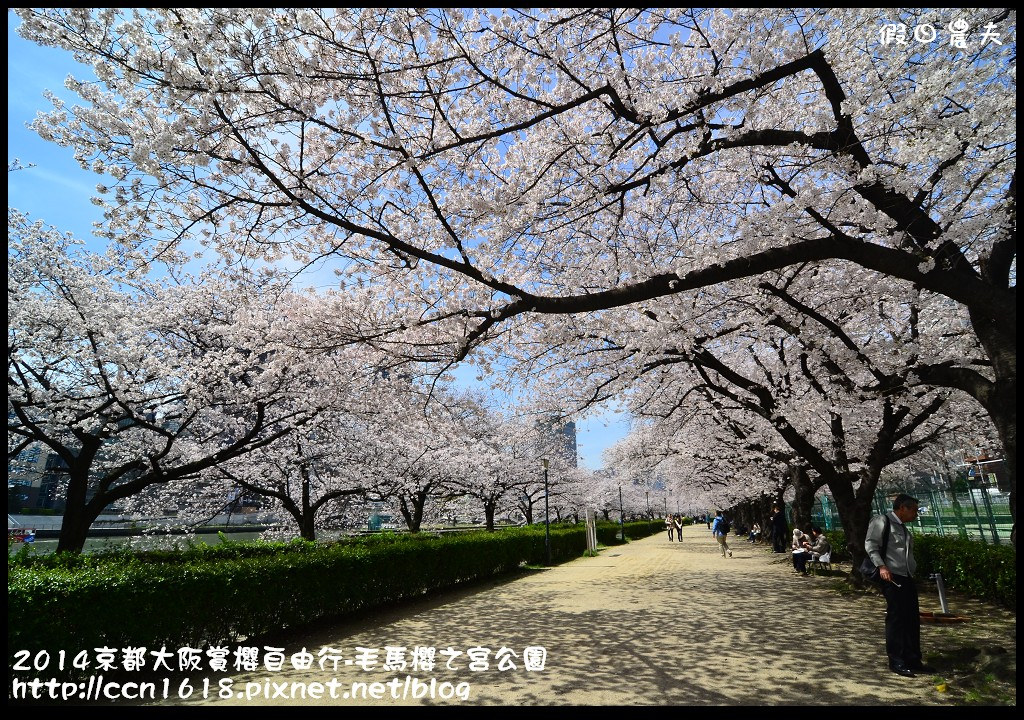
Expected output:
(608, 532)
(978, 569)
(214, 595)
(982, 570)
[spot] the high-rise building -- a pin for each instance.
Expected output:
(560, 435)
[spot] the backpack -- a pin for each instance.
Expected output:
(867, 568)
(723, 526)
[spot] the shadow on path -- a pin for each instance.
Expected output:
(648, 623)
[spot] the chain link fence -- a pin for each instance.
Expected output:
(978, 513)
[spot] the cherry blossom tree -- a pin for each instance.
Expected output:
(491, 168)
(415, 455)
(132, 382)
(835, 394)
(499, 459)
(322, 464)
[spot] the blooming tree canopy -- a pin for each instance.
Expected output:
(132, 382)
(486, 168)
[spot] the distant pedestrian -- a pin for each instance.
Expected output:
(679, 527)
(780, 530)
(720, 529)
(670, 525)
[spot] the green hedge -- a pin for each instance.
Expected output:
(212, 595)
(837, 539)
(978, 569)
(216, 595)
(608, 532)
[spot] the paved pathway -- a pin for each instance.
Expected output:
(647, 623)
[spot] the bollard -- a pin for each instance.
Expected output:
(937, 577)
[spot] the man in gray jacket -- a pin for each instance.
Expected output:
(902, 612)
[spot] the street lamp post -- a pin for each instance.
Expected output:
(547, 522)
(622, 526)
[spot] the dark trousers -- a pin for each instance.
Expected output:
(778, 541)
(902, 622)
(800, 561)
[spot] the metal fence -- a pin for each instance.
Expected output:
(979, 514)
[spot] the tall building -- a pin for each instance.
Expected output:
(568, 432)
(562, 436)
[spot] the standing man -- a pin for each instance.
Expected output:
(896, 569)
(720, 529)
(780, 531)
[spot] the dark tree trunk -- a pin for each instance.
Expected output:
(1004, 415)
(996, 328)
(854, 509)
(411, 507)
(79, 515)
(526, 505)
(306, 528)
(803, 500)
(764, 514)
(78, 518)
(489, 508)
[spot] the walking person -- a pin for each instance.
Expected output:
(720, 529)
(679, 527)
(894, 558)
(670, 526)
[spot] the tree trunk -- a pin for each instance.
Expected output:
(306, 529)
(855, 513)
(489, 508)
(75, 528)
(997, 331)
(403, 507)
(414, 516)
(1004, 415)
(764, 509)
(526, 505)
(803, 500)
(78, 514)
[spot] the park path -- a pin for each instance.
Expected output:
(647, 623)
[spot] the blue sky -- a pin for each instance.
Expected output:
(57, 191)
